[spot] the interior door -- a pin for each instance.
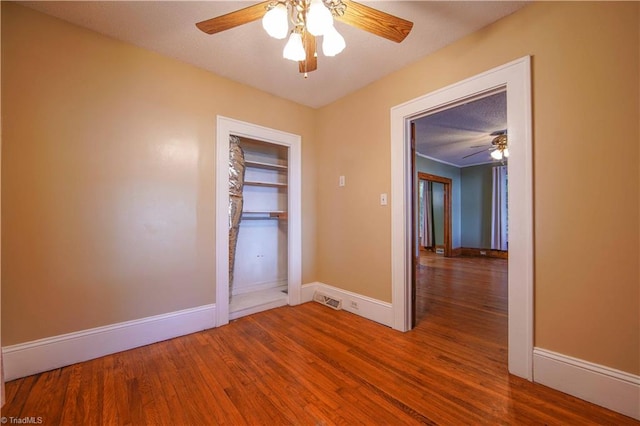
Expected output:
(444, 205)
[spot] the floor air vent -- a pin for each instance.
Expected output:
(327, 300)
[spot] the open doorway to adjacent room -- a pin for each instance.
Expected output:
(461, 231)
(514, 79)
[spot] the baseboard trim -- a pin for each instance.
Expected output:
(34, 357)
(613, 389)
(480, 252)
(367, 307)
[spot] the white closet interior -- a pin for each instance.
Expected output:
(261, 259)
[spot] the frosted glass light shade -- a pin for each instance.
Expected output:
(332, 42)
(294, 50)
(496, 155)
(505, 152)
(275, 22)
(319, 18)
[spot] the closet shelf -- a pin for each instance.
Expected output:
(263, 165)
(261, 215)
(269, 184)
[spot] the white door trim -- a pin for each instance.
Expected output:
(225, 128)
(516, 77)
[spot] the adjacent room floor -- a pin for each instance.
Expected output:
(470, 292)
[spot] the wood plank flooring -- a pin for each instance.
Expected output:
(310, 365)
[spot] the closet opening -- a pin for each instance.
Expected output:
(258, 254)
(258, 185)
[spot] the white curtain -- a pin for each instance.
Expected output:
(499, 223)
(426, 223)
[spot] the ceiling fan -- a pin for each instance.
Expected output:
(309, 19)
(498, 149)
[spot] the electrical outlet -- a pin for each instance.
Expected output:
(341, 181)
(354, 304)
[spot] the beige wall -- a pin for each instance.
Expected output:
(108, 167)
(586, 171)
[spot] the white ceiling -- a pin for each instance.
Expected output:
(462, 131)
(247, 55)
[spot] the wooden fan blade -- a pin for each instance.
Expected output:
(234, 19)
(475, 153)
(311, 62)
(375, 21)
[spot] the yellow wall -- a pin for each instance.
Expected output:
(586, 175)
(108, 166)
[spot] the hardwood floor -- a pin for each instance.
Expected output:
(310, 365)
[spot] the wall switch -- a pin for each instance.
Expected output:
(341, 181)
(383, 199)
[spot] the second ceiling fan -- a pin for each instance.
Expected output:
(498, 149)
(309, 19)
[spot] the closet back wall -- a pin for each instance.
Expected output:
(108, 177)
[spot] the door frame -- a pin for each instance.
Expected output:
(225, 128)
(516, 78)
(448, 251)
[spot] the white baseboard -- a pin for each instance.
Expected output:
(367, 307)
(613, 389)
(54, 352)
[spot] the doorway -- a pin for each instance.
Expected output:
(434, 213)
(227, 127)
(467, 287)
(258, 228)
(515, 77)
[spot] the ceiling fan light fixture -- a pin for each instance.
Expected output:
(276, 22)
(333, 43)
(496, 155)
(310, 19)
(319, 18)
(294, 50)
(505, 152)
